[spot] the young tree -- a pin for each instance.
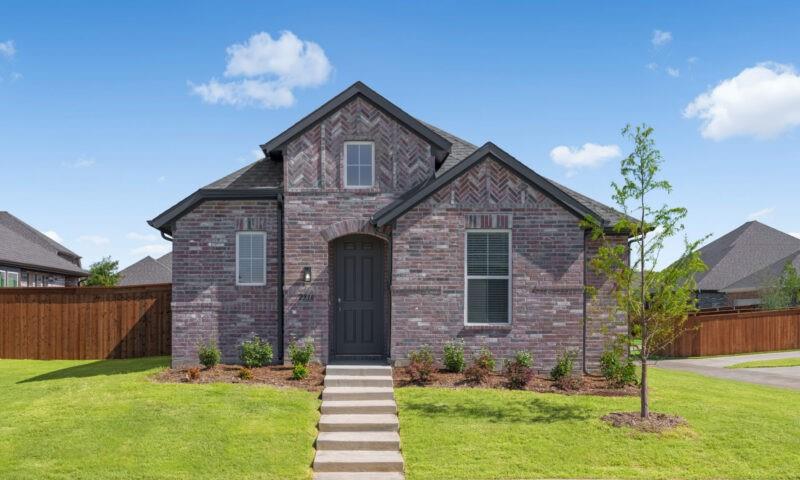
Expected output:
(103, 273)
(784, 292)
(657, 302)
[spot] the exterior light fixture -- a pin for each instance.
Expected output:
(307, 274)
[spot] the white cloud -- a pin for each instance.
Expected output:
(589, 155)
(269, 71)
(7, 49)
(255, 154)
(141, 237)
(152, 249)
(94, 239)
(761, 101)
(661, 38)
(692, 60)
(795, 234)
(53, 236)
(673, 72)
(764, 212)
(652, 66)
(81, 162)
(161, 179)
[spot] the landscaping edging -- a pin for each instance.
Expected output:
(273, 375)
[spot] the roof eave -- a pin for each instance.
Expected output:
(440, 146)
(40, 268)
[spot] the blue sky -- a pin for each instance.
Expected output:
(101, 126)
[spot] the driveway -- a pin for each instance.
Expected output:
(787, 377)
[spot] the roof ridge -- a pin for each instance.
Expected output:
(43, 240)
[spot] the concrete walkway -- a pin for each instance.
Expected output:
(786, 377)
(358, 430)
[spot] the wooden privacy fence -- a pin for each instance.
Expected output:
(85, 322)
(738, 332)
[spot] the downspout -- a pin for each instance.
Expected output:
(280, 278)
(585, 302)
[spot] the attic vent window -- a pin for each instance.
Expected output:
(359, 160)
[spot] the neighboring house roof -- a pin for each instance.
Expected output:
(264, 178)
(439, 145)
(742, 258)
(23, 246)
(765, 276)
(148, 271)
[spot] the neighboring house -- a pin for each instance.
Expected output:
(147, 271)
(29, 258)
(375, 234)
(742, 262)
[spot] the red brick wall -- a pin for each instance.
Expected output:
(206, 302)
(603, 321)
(547, 269)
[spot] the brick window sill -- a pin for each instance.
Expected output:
(489, 328)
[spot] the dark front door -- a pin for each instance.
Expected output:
(358, 304)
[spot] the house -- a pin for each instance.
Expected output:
(29, 258)
(742, 262)
(373, 234)
(147, 271)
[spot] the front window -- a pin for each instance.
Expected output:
(13, 279)
(2, 278)
(251, 258)
(488, 277)
(25, 279)
(359, 160)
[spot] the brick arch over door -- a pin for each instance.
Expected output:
(351, 227)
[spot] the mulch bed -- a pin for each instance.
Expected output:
(656, 423)
(275, 375)
(582, 385)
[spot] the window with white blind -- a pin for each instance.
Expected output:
(251, 258)
(359, 159)
(488, 277)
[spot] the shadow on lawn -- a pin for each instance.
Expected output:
(102, 367)
(534, 410)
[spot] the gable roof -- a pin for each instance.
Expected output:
(745, 253)
(23, 246)
(439, 145)
(576, 203)
(765, 276)
(148, 271)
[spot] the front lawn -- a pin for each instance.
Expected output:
(777, 362)
(106, 419)
(736, 430)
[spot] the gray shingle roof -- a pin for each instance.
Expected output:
(23, 245)
(148, 271)
(744, 255)
(259, 174)
(765, 276)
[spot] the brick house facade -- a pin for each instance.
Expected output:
(375, 267)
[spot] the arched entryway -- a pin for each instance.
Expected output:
(358, 298)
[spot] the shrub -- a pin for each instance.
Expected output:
(454, 356)
(570, 382)
(518, 371)
(246, 374)
(482, 366)
(301, 354)
(193, 374)
(208, 353)
(563, 366)
(420, 367)
(255, 353)
(616, 367)
(299, 371)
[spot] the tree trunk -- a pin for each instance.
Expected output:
(645, 411)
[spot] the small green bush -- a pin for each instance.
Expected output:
(301, 354)
(454, 356)
(563, 366)
(616, 367)
(299, 371)
(485, 359)
(482, 366)
(255, 353)
(519, 370)
(420, 367)
(208, 353)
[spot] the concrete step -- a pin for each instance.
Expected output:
(358, 441)
(358, 406)
(357, 461)
(358, 423)
(357, 393)
(359, 476)
(358, 381)
(359, 370)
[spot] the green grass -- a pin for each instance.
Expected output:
(737, 430)
(777, 362)
(106, 419)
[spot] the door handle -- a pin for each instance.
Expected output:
(339, 302)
